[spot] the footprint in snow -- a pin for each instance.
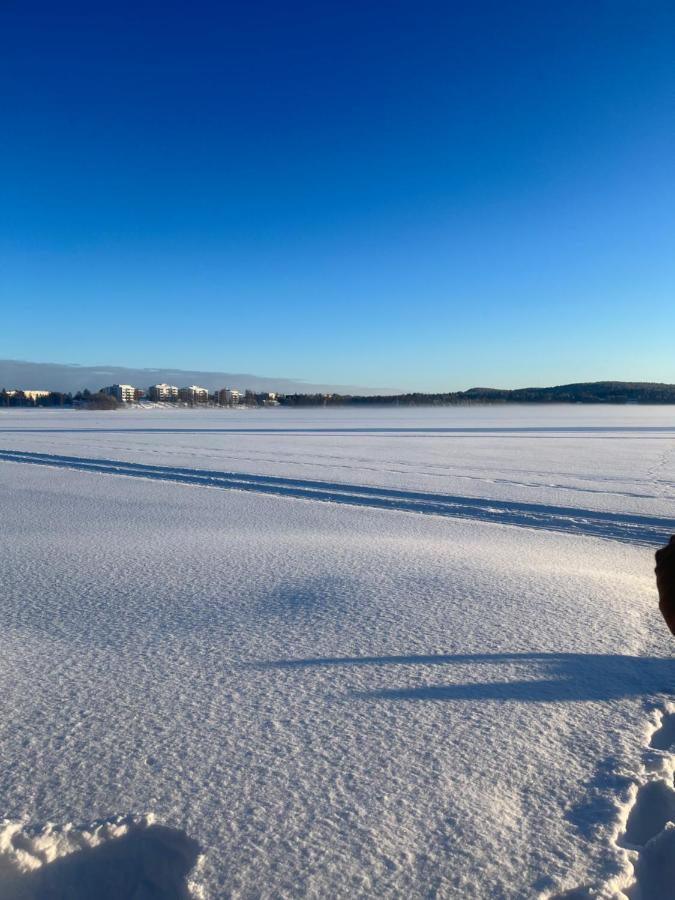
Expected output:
(649, 832)
(111, 859)
(653, 809)
(664, 736)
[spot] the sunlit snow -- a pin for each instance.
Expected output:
(337, 653)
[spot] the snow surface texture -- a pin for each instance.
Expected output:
(325, 692)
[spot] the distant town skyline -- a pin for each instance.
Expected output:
(428, 196)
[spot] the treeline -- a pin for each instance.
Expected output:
(84, 398)
(592, 392)
(357, 400)
(18, 398)
(586, 392)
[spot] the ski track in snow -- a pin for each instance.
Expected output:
(609, 485)
(614, 526)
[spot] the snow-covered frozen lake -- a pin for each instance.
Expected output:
(337, 653)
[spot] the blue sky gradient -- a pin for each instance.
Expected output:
(418, 195)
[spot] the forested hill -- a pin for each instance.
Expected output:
(587, 392)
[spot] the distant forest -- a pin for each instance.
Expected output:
(590, 392)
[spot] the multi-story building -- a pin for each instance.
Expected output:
(193, 394)
(124, 393)
(229, 397)
(29, 395)
(163, 392)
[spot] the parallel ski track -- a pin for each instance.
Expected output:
(610, 525)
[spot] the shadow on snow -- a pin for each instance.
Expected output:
(567, 677)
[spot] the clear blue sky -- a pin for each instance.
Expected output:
(408, 194)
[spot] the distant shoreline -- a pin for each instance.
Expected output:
(605, 393)
(211, 407)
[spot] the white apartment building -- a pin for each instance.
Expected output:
(229, 397)
(163, 392)
(193, 394)
(125, 393)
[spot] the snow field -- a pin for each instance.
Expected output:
(610, 458)
(334, 700)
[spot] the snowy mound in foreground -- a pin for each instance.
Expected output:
(124, 856)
